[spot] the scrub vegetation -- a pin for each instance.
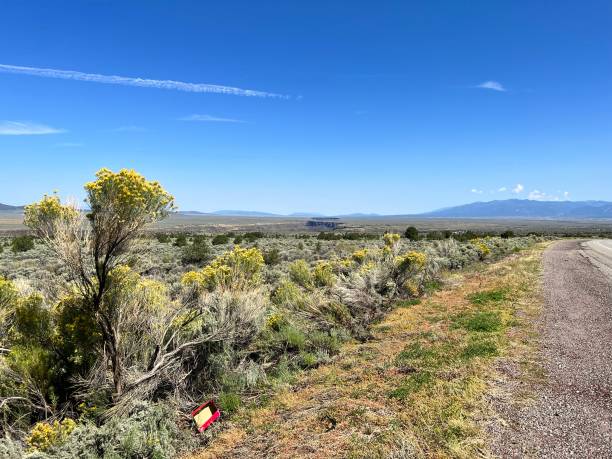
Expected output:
(110, 335)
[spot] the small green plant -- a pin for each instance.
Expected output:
(480, 349)
(308, 359)
(323, 274)
(180, 240)
(272, 257)
(407, 303)
(229, 402)
(293, 338)
(413, 384)
(220, 239)
(488, 296)
(198, 252)
(411, 233)
(486, 322)
(300, 273)
(22, 244)
(162, 238)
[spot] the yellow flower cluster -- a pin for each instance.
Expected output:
(483, 249)
(127, 193)
(411, 261)
(360, 255)
(237, 269)
(274, 321)
(391, 239)
(44, 435)
(368, 266)
(48, 210)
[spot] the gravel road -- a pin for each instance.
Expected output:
(572, 413)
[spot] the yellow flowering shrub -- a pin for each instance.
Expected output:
(360, 255)
(369, 266)
(391, 239)
(127, 194)
(411, 261)
(323, 274)
(483, 249)
(45, 435)
(237, 269)
(41, 215)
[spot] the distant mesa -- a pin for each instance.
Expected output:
(331, 223)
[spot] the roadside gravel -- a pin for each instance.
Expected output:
(571, 413)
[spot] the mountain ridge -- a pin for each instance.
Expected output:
(507, 208)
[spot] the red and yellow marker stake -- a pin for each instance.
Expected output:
(204, 415)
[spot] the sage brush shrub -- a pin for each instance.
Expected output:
(135, 341)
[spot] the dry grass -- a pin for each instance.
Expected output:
(416, 390)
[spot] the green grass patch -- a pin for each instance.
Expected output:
(413, 384)
(488, 296)
(229, 401)
(425, 356)
(484, 322)
(407, 303)
(481, 349)
(433, 285)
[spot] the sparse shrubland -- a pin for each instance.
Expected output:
(109, 336)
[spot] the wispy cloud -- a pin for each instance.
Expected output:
(26, 128)
(502, 189)
(493, 85)
(518, 188)
(131, 81)
(476, 191)
(210, 118)
(538, 195)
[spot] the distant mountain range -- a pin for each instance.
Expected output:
(510, 208)
(7, 207)
(525, 208)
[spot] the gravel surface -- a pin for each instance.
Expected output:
(571, 415)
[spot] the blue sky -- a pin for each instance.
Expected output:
(388, 107)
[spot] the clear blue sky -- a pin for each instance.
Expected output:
(391, 107)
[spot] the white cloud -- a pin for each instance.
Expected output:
(210, 118)
(494, 85)
(566, 194)
(131, 81)
(538, 195)
(518, 188)
(502, 189)
(474, 190)
(26, 128)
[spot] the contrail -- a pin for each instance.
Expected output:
(141, 82)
